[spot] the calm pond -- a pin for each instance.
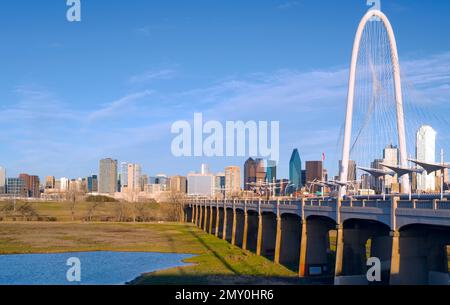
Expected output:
(96, 268)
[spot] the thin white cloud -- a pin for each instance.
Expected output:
(117, 106)
(151, 75)
(288, 4)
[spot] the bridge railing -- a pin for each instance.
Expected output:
(443, 205)
(424, 204)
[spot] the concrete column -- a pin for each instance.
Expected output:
(194, 213)
(205, 219)
(200, 218)
(394, 204)
(216, 233)
(339, 250)
(260, 232)
(278, 241)
(233, 231)
(303, 248)
(210, 219)
(244, 237)
(395, 259)
(224, 231)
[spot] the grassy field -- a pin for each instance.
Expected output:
(215, 261)
(83, 211)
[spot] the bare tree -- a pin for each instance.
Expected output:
(72, 198)
(27, 211)
(177, 199)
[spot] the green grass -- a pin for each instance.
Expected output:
(214, 262)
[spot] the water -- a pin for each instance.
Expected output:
(97, 268)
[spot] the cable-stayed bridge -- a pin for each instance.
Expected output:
(408, 233)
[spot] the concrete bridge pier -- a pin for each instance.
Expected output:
(290, 231)
(188, 217)
(239, 230)
(206, 218)
(245, 231)
(359, 241)
(220, 222)
(259, 234)
(251, 242)
(223, 229)
(211, 219)
(217, 222)
(420, 256)
(302, 272)
(200, 217)
(229, 215)
(233, 227)
(316, 255)
(269, 225)
(194, 213)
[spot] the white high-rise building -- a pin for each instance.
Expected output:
(200, 185)
(64, 184)
(2, 176)
(205, 169)
(2, 180)
(134, 177)
(390, 157)
(123, 174)
(426, 152)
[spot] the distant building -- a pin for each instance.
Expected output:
(32, 185)
(50, 182)
(64, 184)
(204, 169)
(92, 184)
(271, 171)
(143, 181)
(108, 176)
(304, 177)
(200, 185)
(390, 157)
(76, 185)
(282, 185)
(351, 175)
(295, 171)
(232, 180)
(376, 184)
(2, 180)
(254, 173)
(314, 172)
(426, 152)
(134, 177)
(164, 181)
(219, 184)
(249, 173)
(123, 174)
(16, 187)
(178, 184)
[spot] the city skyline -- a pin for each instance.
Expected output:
(61, 120)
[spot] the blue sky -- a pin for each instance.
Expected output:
(112, 85)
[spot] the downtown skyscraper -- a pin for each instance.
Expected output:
(426, 152)
(108, 176)
(295, 171)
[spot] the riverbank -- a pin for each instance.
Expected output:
(215, 260)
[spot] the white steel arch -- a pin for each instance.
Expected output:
(351, 97)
